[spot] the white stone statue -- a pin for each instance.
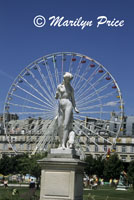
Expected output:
(65, 94)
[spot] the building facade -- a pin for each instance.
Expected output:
(23, 140)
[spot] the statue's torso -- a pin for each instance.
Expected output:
(65, 92)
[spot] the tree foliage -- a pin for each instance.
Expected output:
(94, 166)
(107, 169)
(21, 164)
(131, 173)
(113, 167)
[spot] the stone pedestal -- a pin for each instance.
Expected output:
(61, 176)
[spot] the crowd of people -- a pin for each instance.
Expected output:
(93, 182)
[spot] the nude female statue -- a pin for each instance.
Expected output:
(65, 94)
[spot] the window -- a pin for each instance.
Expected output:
(21, 146)
(115, 125)
(96, 148)
(88, 141)
(105, 148)
(96, 139)
(124, 126)
(28, 147)
(123, 149)
(125, 119)
(13, 139)
(124, 131)
(14, 146)
(133, 129)
(132, 149)
(132, 157)
(5, 146)
(123, 157)
(87, 149)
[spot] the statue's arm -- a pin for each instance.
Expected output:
(73, 101)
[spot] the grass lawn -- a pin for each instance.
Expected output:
(102, 193)
(24, 194)
(108, 193)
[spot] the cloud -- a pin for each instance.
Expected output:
(112, 103)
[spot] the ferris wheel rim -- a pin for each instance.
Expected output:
(29, 67)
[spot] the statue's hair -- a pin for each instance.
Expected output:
(68, 75)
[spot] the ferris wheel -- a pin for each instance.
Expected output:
(31, 109)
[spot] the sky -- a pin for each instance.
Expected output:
(21, 42)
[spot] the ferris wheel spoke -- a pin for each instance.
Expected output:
(71, 64)
(90, 107)
(94, 133)
(84, 117)
(82, 77)
(40, 142)
(97, 126)
(28, 113)
(101, 120)
(92, 86)
(77, 72)
(45, 81)
(85, 133)
(48, 116)
(62, 66)
(98, 112)
(81, 89)
(106, 130)
(24, 90)
(24, 106)
(35, 89)
(56, 71)
(113, 103)
(50, 76)
(43, 89)
(36, 134)
(97, 99)
(99, 90)
(28, 100)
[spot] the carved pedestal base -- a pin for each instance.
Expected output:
(61, 176)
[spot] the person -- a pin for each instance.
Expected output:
(32, 184)
(65, 94)
(38, 184)
(5, 183)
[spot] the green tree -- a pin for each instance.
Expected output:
(130, 173)
(94, 165)
(99, 166)
(29, 165)
(21, 164)
(5, 165)
(112, 167)
(35, 168)
(89, 165)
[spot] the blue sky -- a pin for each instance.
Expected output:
(21, 42)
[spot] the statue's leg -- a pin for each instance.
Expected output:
(67, 124)
(60, 127)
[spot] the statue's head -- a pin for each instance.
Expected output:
(68, 76)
